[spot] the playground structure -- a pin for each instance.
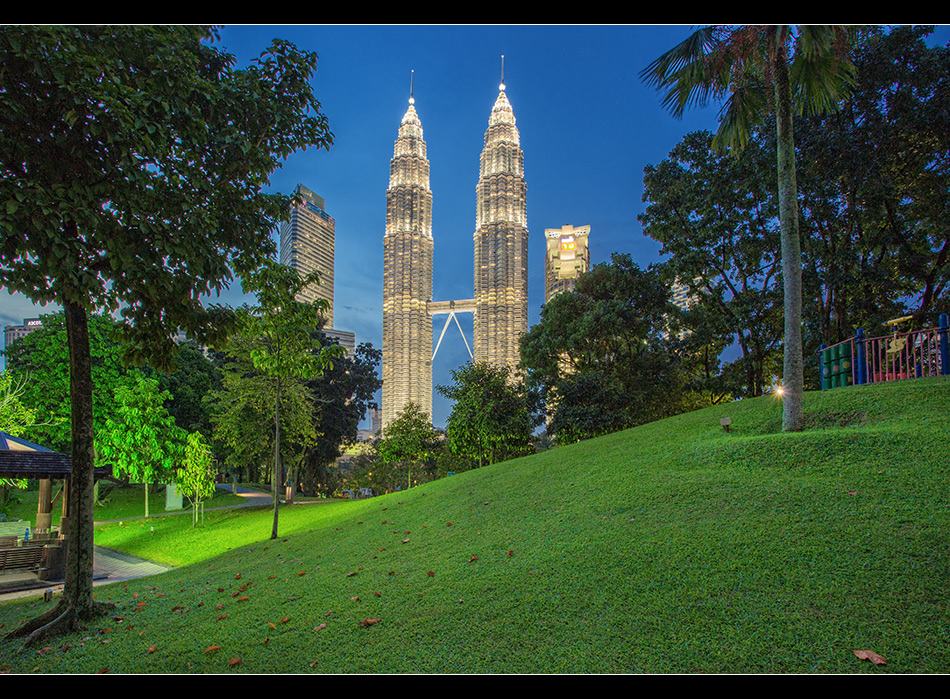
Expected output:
(892, 357)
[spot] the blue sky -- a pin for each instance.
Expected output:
(588, 127)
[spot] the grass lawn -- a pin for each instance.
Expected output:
(116, 502)
(672, 547)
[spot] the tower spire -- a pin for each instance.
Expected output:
(411, 98)
(502, 86)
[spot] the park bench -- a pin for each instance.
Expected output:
(22, 558)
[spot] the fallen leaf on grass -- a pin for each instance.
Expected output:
(302, 572)
(234, 661)
(272, 625)
(102, 671)
(152, 648)
(350, 575)
(473, 558)
(243, 598)
(223, 616)
(870, 655)
(212, 649)
(355, 599)
(510, 554)
(369, 622)
(430, 574)
(285, 620)
(319, 628)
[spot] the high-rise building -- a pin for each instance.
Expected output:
(681, 296)
(12, 333)
(568, 256)
(307, 244)
(501, 241)
(407, 274)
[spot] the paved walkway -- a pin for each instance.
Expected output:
(108, 567)
(112, 566)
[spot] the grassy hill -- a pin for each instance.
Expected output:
(673, 547)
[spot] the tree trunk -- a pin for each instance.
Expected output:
(275, 476)
(76, 604)
(793, 370)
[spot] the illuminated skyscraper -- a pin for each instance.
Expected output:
(567, 258)
(407, 274)
(501, 241)
(307, 245)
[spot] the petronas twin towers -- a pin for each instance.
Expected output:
(500, 302)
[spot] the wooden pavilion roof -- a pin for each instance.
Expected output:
(22, 459)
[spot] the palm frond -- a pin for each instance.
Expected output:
(687, 71)
(822, 72)
(745, 108)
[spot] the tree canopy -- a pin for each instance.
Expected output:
(608, 356)
(408, 440)
(140, 440)
(716, 218)
(492, 419)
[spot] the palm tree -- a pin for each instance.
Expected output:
(757, 70)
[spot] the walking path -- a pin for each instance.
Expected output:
(112, 566)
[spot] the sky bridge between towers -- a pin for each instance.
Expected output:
(450, 308)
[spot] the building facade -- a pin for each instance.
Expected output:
(567, 257)
(307, 243)
(407, 274)
(501, 242)
(12, 333)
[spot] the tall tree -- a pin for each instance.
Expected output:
(341, 398)
(40, 362)
(492, 419)
(196, 376)
(242, 413)
(287, 350)
(195, 477)
(408, 440)
(764, 69)
(605, 356)
(133, 167)
(141, 440)
(876, 192)
(715, 216)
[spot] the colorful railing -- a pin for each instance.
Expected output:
(891, 357)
